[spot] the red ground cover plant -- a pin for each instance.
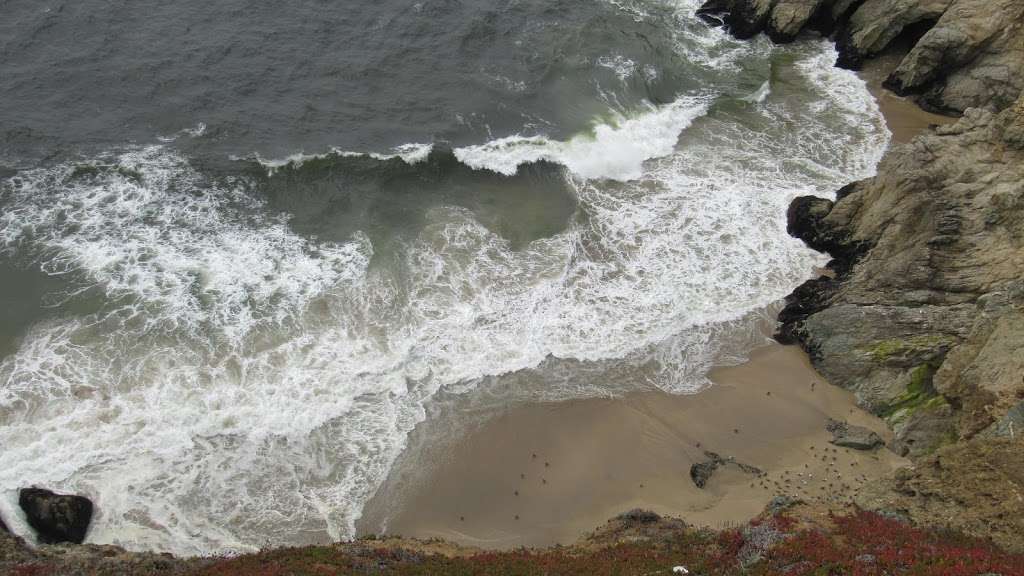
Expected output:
(867, 544)
(858, 544)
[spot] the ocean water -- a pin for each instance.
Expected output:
(246, 248)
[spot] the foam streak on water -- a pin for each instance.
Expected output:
(244, 384)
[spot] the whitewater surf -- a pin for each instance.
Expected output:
(236, 286)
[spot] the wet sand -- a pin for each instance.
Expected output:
(548, 473)
(543, 474)
(904, 118)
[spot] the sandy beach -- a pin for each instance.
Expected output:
(544, 474)
(903, 117)
(548, 473)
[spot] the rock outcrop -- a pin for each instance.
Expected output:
(962, 53)
(974, 487)
(56, 517)
(850, 436)
(971, 57)
(923, 317)
(701, 472)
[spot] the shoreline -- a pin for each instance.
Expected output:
(478, 496)
(904, 118)
(969, 488)
(596, 458)
(658, 478)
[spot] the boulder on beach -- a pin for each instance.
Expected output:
(701, 472)
(850, 436)
(56, 517)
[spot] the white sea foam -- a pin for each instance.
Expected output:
(193, 132)
(409, 153)
(244, 384)
(761, 94)
(614, 150)
(623, 67)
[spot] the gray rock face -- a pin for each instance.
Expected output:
(877, 23)
(925, 320)
(963, 53)
(971, 486)
(972, 57)
(850, 436)
(56, 517)
(1010, 426)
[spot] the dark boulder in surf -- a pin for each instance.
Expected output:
(56, 517)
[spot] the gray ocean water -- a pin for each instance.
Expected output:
(244, 246)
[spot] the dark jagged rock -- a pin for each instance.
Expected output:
(743, 18)
(3, 527)
(806, 220)
(962, 53)
(810, 297)
(56, 517)
(781, 20)
(850, 436)
(701, 472)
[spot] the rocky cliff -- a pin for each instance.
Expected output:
(922, 316)
(963, 53)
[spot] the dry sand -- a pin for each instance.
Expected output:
(548, 473)
(904, 118)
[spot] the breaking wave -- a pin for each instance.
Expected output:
(244, 382)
